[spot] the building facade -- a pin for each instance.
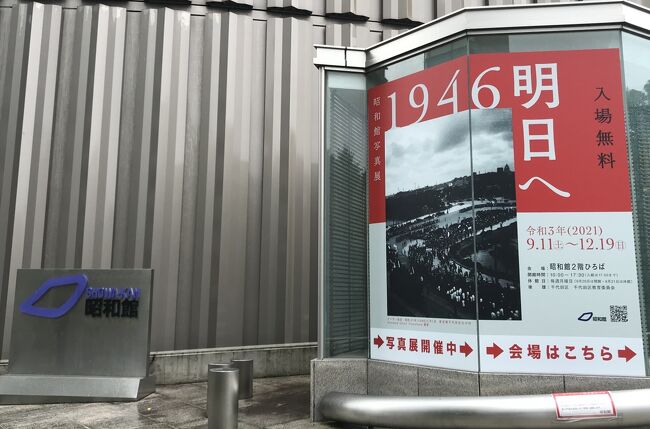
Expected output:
(180, 136)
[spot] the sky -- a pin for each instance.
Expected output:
(437, 151)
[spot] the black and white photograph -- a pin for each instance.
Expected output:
(451, 235)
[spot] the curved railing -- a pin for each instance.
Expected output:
(494, 412)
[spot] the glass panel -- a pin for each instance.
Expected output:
(544, 42)
(559, 273)
(636, 55)
(418, 62)
(421, 245)
(494, 192)
(475, 181)
(495, 217)
(346, 282)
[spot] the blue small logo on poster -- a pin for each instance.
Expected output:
(29, 307)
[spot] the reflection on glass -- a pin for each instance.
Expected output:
(346, 224)
(451, 237)
(430, 58)
(636, 55)
(433, 206)
(548, 42)
(429, 224)
(493, 180)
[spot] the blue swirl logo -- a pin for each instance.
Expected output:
(29, 305)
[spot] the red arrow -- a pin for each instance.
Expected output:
(626, 353)
(466, 349)
(378, 341)
(494, 350)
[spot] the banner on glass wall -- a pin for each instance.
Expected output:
(500, 221)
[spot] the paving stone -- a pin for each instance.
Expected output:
(277, 403)
(193, 394)
(306, 424)
(151, 425)
(9, 413)
(41, 422)
(286, 401)
(109, 416)
(180, 415)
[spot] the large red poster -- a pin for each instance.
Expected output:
(499, 191)
(567, 114)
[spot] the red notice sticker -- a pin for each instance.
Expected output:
(584, 405)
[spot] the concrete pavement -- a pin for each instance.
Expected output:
(278, 402)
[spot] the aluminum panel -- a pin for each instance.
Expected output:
(156, 139)
(444, 7)
(185, 302)
(103, 137)
(231, 4)
(252, 303)
(207, 199)
(32, 125)
(390, 33)
(300, 7)
(350, 9)
(12, 99)
(233, 140)
(408, 12)
(508, 2)
(59, 189)
(288, 144)
(173, 34)
(353, 35)
(303, 103)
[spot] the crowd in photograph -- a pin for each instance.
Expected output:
(435, 263)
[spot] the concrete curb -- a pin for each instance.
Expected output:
(273, 360)
(191, 366)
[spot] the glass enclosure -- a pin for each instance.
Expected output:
(485, 205)
(346, 300)
(636, 64)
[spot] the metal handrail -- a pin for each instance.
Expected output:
(489, 412)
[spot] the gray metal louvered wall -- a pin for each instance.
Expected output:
(157, 137)
(180, 139)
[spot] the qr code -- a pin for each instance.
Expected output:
(618, 313)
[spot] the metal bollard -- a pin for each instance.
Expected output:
(223, 387)
(245, 367)
(219, 366)
(216, 366)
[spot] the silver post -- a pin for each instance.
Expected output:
(218, 366)
(223, 388)
(215, 366)
(245, 367)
